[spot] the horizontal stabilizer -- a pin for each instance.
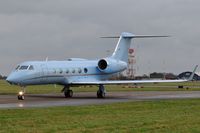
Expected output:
(130, 35)
(135, 36)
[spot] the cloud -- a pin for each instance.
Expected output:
(35, 29)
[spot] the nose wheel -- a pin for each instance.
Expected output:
(20, 95)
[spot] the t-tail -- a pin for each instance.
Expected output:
(123, 45)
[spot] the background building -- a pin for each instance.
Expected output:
(156, 75)
(187, 75)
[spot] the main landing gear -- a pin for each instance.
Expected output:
(20, 95)
(67, 92)
(101, 93)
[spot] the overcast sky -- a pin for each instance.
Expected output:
(60, 29)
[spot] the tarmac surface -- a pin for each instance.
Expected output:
(89, 98)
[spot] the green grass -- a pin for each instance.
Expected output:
(6, 88)
(174, 116)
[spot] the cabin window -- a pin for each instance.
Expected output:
(61, 71)
(67, 71)
(23, 68)
(79, 70)
(30, 67)
(85, 70)
(73, 70)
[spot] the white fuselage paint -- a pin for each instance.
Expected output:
(59, 72)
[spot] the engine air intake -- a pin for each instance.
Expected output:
(102, 64)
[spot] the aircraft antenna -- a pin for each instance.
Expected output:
(47, 59)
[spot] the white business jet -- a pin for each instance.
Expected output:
(78, 71)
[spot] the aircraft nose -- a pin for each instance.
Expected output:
(11, 79)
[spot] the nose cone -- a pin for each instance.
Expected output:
(11, 79)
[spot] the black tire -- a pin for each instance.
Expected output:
(68, 93)
(103, 95)
(100, 94)
(20, 97)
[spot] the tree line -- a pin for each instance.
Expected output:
(2, 77)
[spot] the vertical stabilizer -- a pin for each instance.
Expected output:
(121, 50)
(123, 45)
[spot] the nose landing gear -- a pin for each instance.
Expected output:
(21, 94)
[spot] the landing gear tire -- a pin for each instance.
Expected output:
(21, 94)
(68, 93)
(20, 97)
(101, 92)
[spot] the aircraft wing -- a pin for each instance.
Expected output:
(109, 82)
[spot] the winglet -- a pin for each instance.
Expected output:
(192, 75)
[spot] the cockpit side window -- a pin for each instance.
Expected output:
(23, 68)
(17, 67)
(30, 67)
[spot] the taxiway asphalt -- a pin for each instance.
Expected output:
(89, 98)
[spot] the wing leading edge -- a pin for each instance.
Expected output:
(109, 82)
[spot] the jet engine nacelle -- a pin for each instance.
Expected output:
(108, 65)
